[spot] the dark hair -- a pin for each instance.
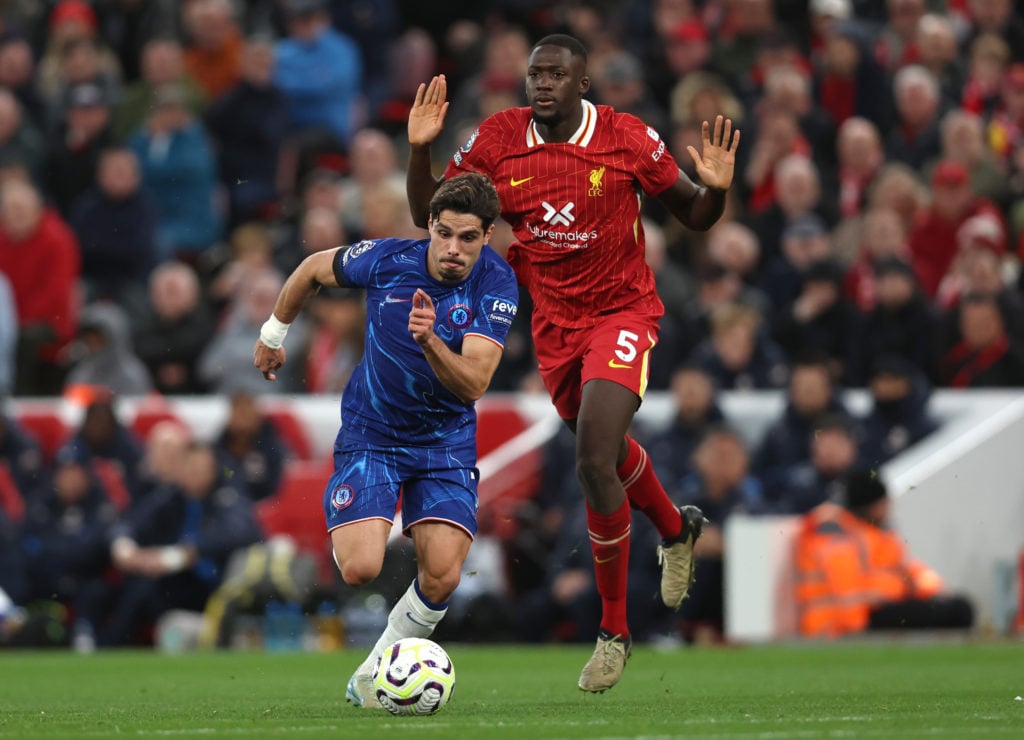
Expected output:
(575, 47)
(469, 193)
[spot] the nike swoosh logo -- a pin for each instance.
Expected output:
(598, 560)
(516, 183)
(389, 299)
(416, 621)
(617, 366)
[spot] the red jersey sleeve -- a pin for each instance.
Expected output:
(656, 168)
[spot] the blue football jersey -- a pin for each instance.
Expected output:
(393, 396)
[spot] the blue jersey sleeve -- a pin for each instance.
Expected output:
(498, 300)
(353, 268)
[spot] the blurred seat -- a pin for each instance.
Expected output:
(148, 414)
(46, 426)
(11, 502)
(292, 430)
(297, 510)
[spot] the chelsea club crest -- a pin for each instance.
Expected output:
(342, 497)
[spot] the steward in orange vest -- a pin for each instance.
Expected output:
(853, 574)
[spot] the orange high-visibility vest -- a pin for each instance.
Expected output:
(845, 566)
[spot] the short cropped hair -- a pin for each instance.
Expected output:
(574, 45)
(469, 193)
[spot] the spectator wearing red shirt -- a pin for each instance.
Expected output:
(39, 255)
(933, 241)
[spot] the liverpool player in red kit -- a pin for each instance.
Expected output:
(570, 176)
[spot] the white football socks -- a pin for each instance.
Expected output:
(413, 616)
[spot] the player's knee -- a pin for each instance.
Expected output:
(356, 572)
(595, 474)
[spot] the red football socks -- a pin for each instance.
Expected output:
(609, 541)
(645, 492)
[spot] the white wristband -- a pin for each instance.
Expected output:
(173, 558)
(273, 331)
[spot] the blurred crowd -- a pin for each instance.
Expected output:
(164, 165)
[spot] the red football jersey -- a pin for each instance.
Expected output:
(575, 208)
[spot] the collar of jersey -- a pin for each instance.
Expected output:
(580, 138)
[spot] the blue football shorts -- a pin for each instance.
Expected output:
(434, 485)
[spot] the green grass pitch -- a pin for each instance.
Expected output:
(850, 690)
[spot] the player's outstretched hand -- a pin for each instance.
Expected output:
(422, 317)
(426, 118)
(268, 360)
(715, 165)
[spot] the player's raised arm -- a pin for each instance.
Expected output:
(426, 121)
(468, 374)
(313, 272)
(698, 207)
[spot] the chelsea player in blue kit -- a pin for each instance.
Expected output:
(438, 311)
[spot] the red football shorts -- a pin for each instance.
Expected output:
(618, 348)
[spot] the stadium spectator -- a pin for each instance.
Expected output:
(373, 160)
(20, 140)
(319, 70)
(319, 229)
(115, 222)
(742, 27)
(80, 65)
(108, 446)
(162, 64)
(980, 238)
(102, 354)
(903, 322)
(739, 354)
(822, 319)
(804, 242)
(935, 39)
(696, 409)
(797, 195)
(336, 340)
(172, 330)
(981, 273)
(985, 356)
(860, 157)
(178, 169)
(64, 538)
(225, 360)
(735, 247)
(17, 75)
(987, 59)
(721, 485)
(251, 448)
(854, 572)
(73, 31)
(1000, 18)
(810, 396)
(252, 252)
(834, 455)
(963, 141)
(20, 456)
(677, 52)
(173, 547)
(933, 242)
(214, 57)
(76, 143)
(8, 337)
(163, 457)
(778, 138)
(881, 237)
(249, 124)
(895, 46)
(915, 139)
(899, 416)
(618, 81)
(39, 256)
(849, 77)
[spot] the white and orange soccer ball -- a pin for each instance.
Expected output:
(414, 676)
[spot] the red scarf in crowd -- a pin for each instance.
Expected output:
(963, 363)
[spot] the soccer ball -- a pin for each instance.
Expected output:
(414, 676)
